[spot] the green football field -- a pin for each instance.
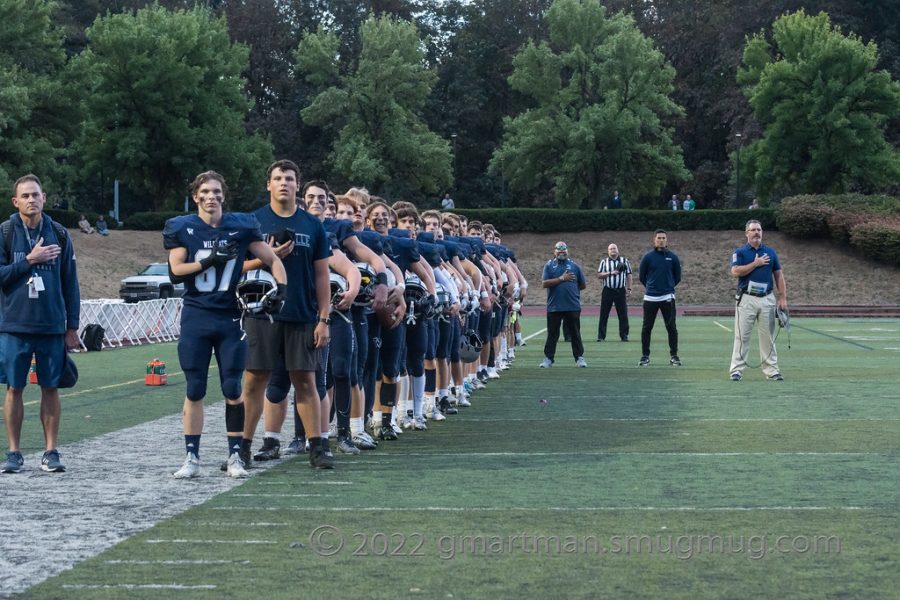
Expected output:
(607, 482)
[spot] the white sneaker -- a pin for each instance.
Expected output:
(493, 374)
(419, 423)
(478, 384)
(190, 468)
(580, 362)
(546, 363)
(406, 422)
(437, 415)
(504, 365)
(236, 468)
(462, 401)
(511, 354)
(397, 429)
(332, 429)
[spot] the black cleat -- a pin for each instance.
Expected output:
(318, 459)
(271, 449)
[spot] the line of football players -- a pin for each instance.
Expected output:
(420, 354)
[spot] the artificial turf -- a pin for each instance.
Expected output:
(607, 482)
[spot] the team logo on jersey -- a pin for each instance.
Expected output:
(190, 230)
(231, 233)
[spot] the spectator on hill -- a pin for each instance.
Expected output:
(84, 225)
(673, 203)
(101, 227)
(616, 201)
(447, 202)
(689, 203)
(754, 205)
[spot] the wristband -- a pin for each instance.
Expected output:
(381, 279)
(484, 294)
(524, 285)
(326, 320)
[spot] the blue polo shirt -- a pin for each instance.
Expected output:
(763, 275)
(565, 297)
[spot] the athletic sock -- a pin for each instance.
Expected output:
(418, 386)
(275, 435)
(234, 443)
(192, 444)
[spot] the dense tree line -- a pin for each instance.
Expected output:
(417, 97)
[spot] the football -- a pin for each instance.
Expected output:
(389, 316)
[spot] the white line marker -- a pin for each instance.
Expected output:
(535, 334)
(182, 541)
(177, 562)
(723, 327)
(697, 420)
(604, 453)
(564, 508)
(234, 524)
(137, 586)
(293, 483)
(282, 495)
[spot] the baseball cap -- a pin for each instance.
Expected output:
(69, 376)
(560, 246)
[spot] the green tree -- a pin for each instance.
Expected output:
(164, 100)
(34, 113)
(602, 106)
(374, 108)
(823, 107)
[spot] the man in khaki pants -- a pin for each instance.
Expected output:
(760, 280)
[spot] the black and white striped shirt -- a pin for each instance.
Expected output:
(615, 281)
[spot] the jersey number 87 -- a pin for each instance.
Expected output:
(205, 281)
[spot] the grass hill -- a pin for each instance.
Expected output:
(817, 272)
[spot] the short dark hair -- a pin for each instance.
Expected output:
(207, 176)
(284, 165)
(25, 179)
(660, 231)
(319, 183)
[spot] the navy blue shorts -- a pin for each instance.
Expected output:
(16, 349)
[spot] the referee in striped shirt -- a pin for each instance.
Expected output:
(615, 273)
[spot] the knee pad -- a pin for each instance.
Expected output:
(196, 386)
(231, 388)
(279, 386)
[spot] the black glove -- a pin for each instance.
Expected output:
(273, 302)
(221, 254)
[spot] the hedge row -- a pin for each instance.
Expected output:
(868, 223)
(546, 220)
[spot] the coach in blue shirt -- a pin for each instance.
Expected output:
(660, 272)
(563, 280)
(760, 279)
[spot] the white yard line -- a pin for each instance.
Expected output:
(535, 334)
(723, 327)
(445, 509)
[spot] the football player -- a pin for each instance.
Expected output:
(206, 251)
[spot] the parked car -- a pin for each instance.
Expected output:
(151, 283)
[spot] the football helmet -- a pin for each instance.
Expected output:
(470, 346)
(339, 286)
(366, 294)
(252, 290)
(418, 300)
(443, 300)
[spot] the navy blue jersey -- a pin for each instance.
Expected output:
(404, 252)
(310, 245)
(431, 252)
(497, 251)
(212, 289)
(341, 229)
(372, 240)
(333, 242)
(466, 249)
